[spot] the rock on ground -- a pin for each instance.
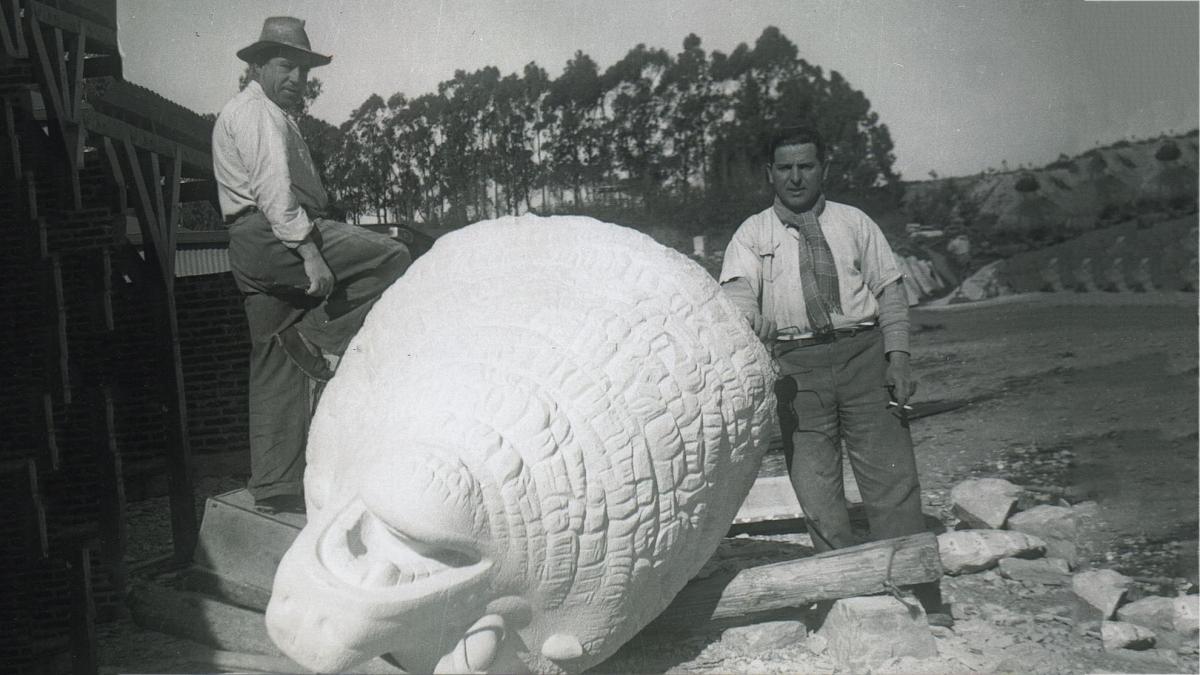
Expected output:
(1154, 612)
(1058, 526)
(976, 550)
(759, 637)
(984, 502)
(1049, 571)
(865, 632)
(1187, 615)
(1121, 635)
(1102, 589)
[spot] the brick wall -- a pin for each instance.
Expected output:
(215, 346)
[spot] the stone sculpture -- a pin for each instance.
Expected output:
(540, 434)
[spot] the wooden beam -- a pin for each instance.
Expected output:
(51, 88)
(49, 436)
(32, 520)
(78, 58)
(171, 209)
(12, 35)
(105, 38)
(14, 139)
(868, 569)
(120, 131)
(184, 526)
(106, 292)
(118, 176)
(58, 354)
(144, 205)
(60, 61)
(114, 532)
(83, 614)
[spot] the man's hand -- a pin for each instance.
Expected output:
(899, 379)
(320, 277)
(765, 328)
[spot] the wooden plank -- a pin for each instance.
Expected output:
(31, 195)
(105, 38)
(58, 354)
(83, 614)
(120, 131)
(49, 436)
(106, 289)
(154, 179)
(868, 569)
(114, 532)
(46, 69)
(14, 139)
(179, 452)
(78, 57)
(143, 204)
(171, 209)
(12, 37)
(60, 62)
(118, 176)
(33, 518)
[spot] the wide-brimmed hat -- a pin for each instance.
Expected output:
(287, 32)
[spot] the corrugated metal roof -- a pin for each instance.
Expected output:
(195, 262)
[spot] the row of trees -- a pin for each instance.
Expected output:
(653, 128)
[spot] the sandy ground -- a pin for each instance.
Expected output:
(1093, 392)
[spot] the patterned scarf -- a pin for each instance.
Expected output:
(818, 273)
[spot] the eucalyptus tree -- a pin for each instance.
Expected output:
(577, 151)
(635, 128)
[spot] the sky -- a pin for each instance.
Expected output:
(962, 85)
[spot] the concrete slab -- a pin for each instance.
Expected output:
(239, 548)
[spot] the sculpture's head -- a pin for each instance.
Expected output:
(374, 575)
(518, 468)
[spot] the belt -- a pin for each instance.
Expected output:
(233, 218)
(251, 210)
(826, 338)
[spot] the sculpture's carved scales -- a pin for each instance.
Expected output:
(579, 408)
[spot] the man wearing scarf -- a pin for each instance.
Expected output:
(819, 283)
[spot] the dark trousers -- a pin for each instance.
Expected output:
(835, 393)
(272, 280)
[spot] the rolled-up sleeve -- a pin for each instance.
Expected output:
(741, 273)
(264, 153)
(879, 265)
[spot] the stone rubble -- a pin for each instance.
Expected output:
(965, 551)
(1121, 635)
(984, 502)
(1058, 526)
(1101, 589)
(864, 631)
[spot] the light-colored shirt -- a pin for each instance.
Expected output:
(766, 253)
(261, 160)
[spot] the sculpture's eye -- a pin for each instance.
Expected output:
(363, 551)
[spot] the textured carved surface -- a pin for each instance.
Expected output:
(539, 435)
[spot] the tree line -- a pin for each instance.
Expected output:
(653, 130)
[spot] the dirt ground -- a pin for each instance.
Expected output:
(1093, 394)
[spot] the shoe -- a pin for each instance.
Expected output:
(281, 504)
(303, 354)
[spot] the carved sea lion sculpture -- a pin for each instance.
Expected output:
(540, 434)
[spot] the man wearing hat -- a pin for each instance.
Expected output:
(307, 282)
(820, 284)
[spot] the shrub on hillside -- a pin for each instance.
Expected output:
(1167, 152)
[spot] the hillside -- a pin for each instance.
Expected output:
(1127, 186)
